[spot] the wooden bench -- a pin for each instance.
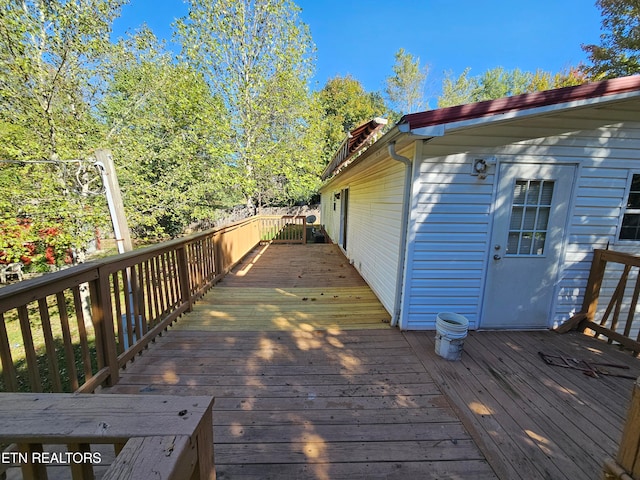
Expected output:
(13, 269)
(170, 435)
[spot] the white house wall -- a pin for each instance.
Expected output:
(448, 241)
(452, 214)
(373, 225)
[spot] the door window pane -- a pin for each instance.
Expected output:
(529, 217)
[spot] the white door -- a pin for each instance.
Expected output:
(529, 224)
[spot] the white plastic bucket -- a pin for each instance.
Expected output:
(451, 330)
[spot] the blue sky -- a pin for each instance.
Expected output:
(360, 37)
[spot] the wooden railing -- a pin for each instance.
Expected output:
(74, 329)
(155, 436)
(283, 229)
(617, 320)
(626, 466)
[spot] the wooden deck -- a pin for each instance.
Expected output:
(311, 382)
(533, 420)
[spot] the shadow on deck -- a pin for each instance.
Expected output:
(310, 382)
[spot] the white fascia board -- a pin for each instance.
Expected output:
(530, 112)
(427, 132)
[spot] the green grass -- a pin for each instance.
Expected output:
(18, 354)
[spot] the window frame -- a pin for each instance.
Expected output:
(538, 207)
(624, 209)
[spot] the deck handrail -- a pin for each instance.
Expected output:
(283, 228)
(610, 325)
(168, 434)
(95, 317)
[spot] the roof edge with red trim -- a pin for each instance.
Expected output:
(525, 101)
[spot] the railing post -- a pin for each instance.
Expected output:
(218, 252)
(304, 230)
(102, 315)
(592, 291)
(627, 463)
(183, 275)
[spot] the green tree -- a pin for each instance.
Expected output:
(168, 134)
(42, 204)
(498, 83)
(50, 57)
(618, 53)
(458, 91)
(257, 56)
(405, 88)
(344, 105)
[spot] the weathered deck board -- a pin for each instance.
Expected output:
(309, 386)
(309, 380)
(306, 403)
(530, 419)
(276, 309)
(300, 266)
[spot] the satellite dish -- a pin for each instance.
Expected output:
(311, 219)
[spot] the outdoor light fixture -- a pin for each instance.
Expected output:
(480, 167)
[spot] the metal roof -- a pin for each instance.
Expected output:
(521, 102)
(436, 123)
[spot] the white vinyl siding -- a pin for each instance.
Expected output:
(452, 213)
(373, 226)
(450, 225)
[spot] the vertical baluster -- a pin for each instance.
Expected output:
(173, 276)
(168, 278)
(68, 341)
(151, 316)
(82, 333)
(117, 301)
(141, 318)
(50, 346)
(8, 368)
(29, 349)
(156, 288)
(632, 307)
(161, 300)
(128, 311)
(81, 471)
(198, 256)
(161, 285)
(30, 470)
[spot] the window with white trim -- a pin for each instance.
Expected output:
(529, 217)
(630, 229)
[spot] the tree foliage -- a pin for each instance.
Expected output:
(167, 132)
(51, 54)
(344, 104)
(498, 83)
(257, 56)
(405, 88)
(618, 53)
